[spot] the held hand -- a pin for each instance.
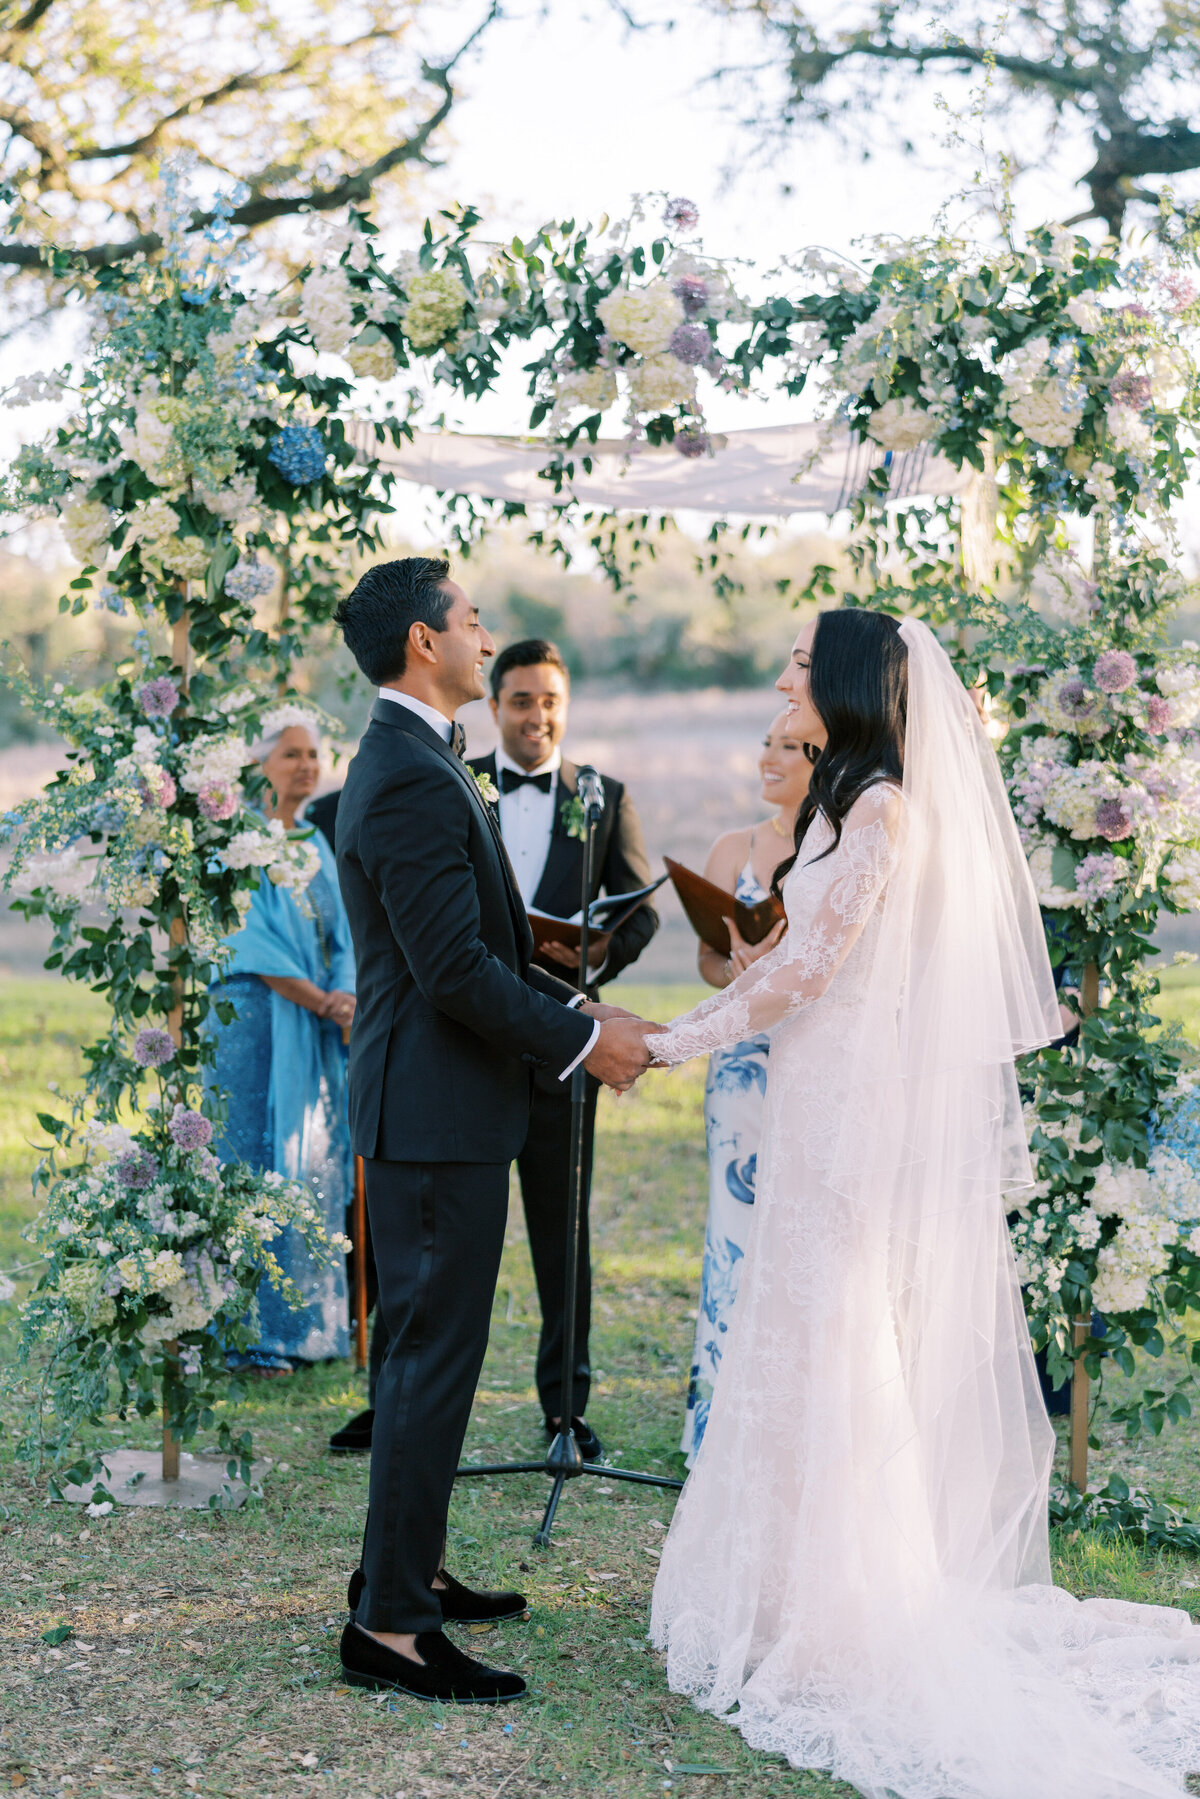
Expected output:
(594, 1008)
(742, 954)
(569, 958)
(339, 1008)
(621, 1054)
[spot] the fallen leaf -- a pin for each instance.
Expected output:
(58, 1634)
(17, 1780)
(480, 1630)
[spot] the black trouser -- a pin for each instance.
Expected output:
(544, 1166)
(437, 1229)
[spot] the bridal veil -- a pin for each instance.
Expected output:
(858, 1570)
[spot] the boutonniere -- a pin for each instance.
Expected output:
(489, 793)
(572, 814)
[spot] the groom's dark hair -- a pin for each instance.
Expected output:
(390, 598)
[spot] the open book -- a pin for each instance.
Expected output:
(708, 906)
(604, 915)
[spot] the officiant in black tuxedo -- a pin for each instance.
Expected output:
(538, 810)
(452, 1022)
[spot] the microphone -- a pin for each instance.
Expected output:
(591, 793)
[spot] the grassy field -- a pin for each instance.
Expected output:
(203, 1650)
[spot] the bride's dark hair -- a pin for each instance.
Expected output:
(858, 683)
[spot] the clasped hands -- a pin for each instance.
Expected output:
(621, 1052)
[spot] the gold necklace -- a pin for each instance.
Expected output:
(776, 826)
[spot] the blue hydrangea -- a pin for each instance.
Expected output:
(298, 452)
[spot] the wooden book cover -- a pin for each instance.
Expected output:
(708, 906)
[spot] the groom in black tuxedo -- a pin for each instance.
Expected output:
(453, 1020)
(537, 807)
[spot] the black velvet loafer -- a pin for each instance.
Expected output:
(590, 1446)
(354, 1438)
(444, 1673)
(460, 1605)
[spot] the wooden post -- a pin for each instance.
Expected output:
(1081, 1385)
(181, 657)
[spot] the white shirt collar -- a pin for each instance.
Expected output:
(436, 720)
(551, 765)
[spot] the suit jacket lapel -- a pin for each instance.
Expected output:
(387, 712)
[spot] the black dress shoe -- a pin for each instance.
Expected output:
(590, 1446)
(444, 1673)
(354, 1438)
(460, 1605)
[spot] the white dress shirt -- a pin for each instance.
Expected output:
(527, 820)
(432, 717)
(445, 730)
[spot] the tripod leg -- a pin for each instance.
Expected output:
(542, 1538)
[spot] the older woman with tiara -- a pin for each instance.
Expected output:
(282, 1060)
(744, 863)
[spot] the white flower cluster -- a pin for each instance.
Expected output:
(327, 308)
(155, 526)
(69, 874)
(86, 525)
(1181, 878)
(215, 761)
(583, 390)
(1180, 683)
(371, 355)
(658, 382)
(1042, 402)
(1050, 893)
(290, 862)
(900, 424)
(643, 319)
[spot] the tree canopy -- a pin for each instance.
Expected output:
(1128, 71)
(297, 105)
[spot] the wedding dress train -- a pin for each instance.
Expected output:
(859, 1561)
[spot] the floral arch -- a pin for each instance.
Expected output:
(212, 457)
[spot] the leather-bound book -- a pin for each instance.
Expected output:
(708, 906)
(604, 916)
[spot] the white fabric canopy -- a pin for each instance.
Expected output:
(750, 473)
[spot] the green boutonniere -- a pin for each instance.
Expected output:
(489, 793)
(572, 815)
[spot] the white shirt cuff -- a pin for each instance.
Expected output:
(588, 1047)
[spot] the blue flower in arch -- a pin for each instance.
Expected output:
(298, 452)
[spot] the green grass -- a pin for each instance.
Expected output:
(211, 1665)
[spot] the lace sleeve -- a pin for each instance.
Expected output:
(800, 968)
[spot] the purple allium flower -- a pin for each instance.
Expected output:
(1128, 389)
(1074, 699)
(217, 802)
(692, 293)
(158, 698)
(1133, 309)
(692, 442)
(1159, 712)
(152, 1047)
(137, 1170)
(1114, 820)
(190, 1130)
(691, 344)
(207, 1165)
(1115, 671)
(681, 215)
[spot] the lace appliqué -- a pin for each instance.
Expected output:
(828, 903)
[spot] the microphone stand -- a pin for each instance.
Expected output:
(564, 1459)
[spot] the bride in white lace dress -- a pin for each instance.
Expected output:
(858, 1569)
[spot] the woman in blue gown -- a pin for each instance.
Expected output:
(282, 1061)
(743, 862)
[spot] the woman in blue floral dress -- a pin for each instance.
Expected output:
(743, 862)
(282, 1060)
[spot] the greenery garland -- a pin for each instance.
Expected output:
(211, 443)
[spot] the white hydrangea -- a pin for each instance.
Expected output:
(1126, 1267)
(1170, 374)
(191, 1309)
(296, 868)
(371, 356)
(901, 425)
(643, 319)
(1072, 796)
(326, 306)
(87, 526)
(1179, 682)
(1041, 867)
(1061, 254)
(1084, 314)
(584, 390)
(67, 874)
(154, 524)
(1130, 431)
(1048, 412)
(1181, 879)
(661, 381)
(258, 846)
(236, 501)
(151, 444)
(213, 762)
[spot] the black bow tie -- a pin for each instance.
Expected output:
(458, 738)
(512, 778)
